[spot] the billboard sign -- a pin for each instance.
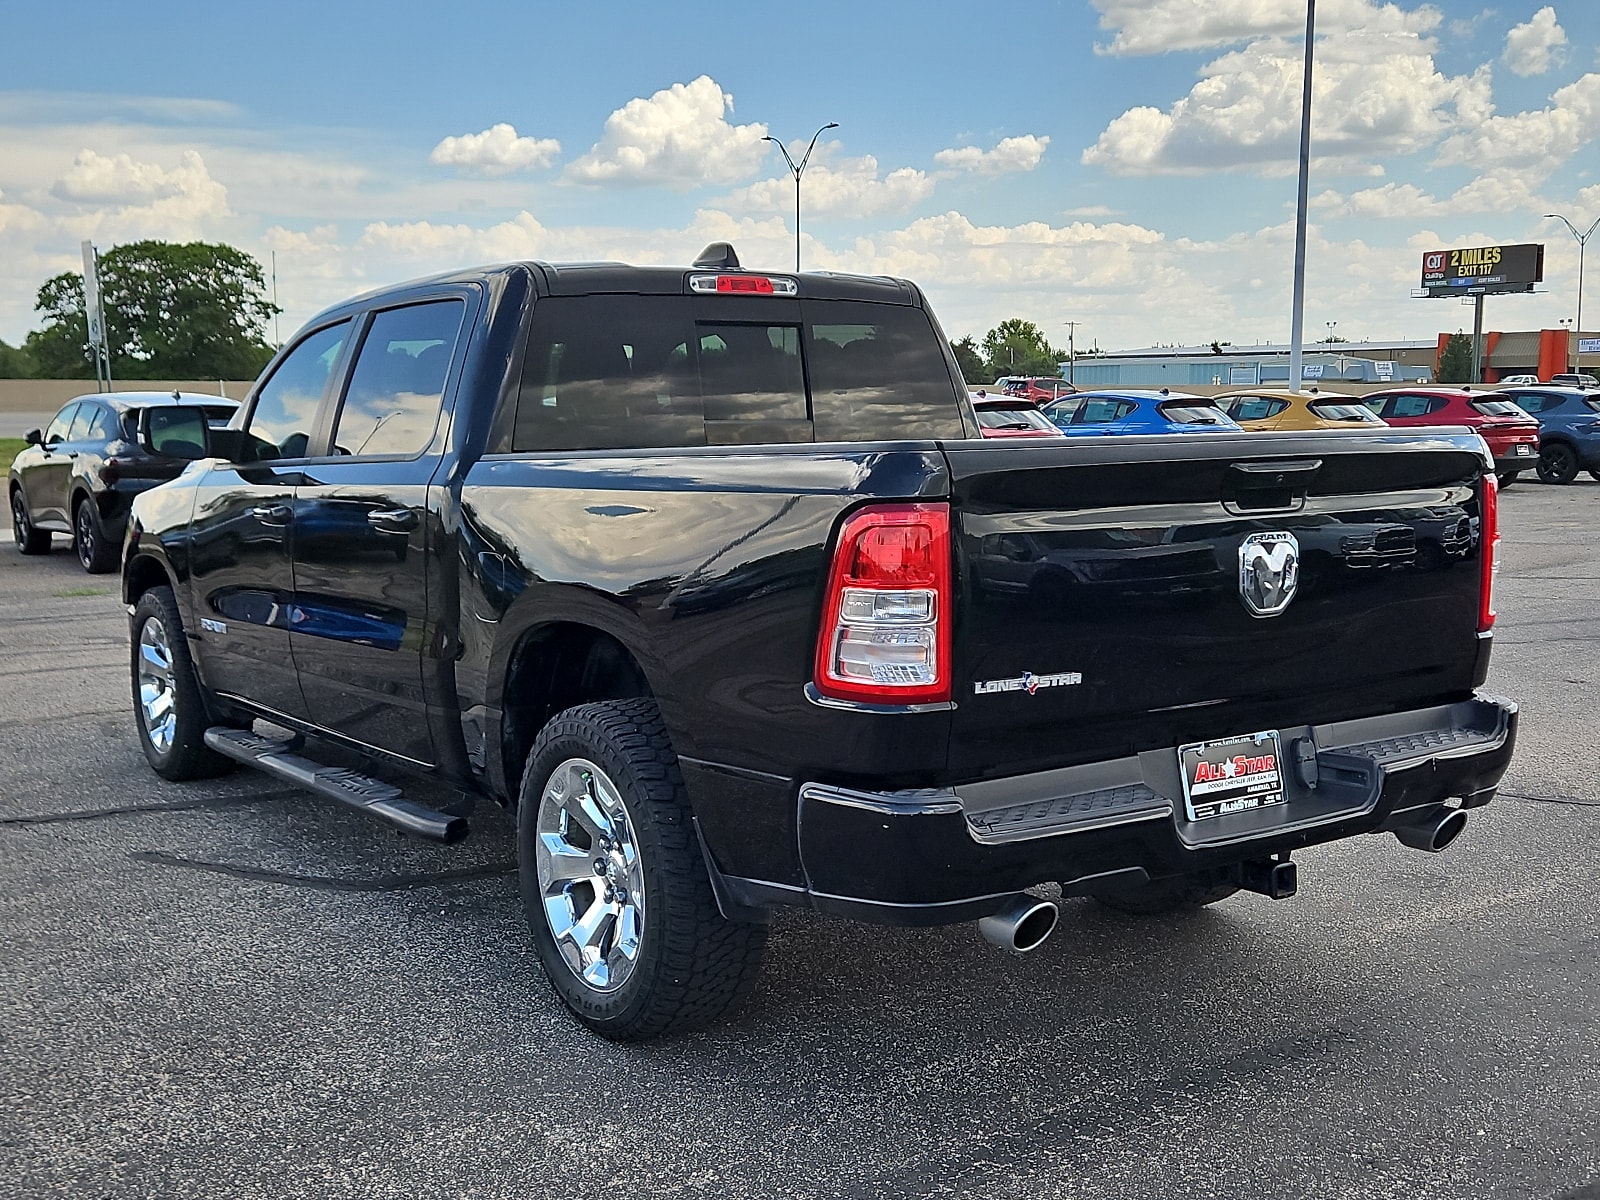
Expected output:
(1482, 270)
(1589, 345)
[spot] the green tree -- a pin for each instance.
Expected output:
(15, 362)
(192, 310)
(1455, 363)
(1018, 347)
(973, 368)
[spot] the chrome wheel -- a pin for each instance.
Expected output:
(591, 879)
(157, 700)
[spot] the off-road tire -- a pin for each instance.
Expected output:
(186, 755)
(29, 540)
(96, 553)
(1162, 896)
(692, 964)
(1558, 463)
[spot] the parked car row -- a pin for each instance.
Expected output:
(1549, 428)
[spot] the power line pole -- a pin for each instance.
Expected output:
(1072, 350)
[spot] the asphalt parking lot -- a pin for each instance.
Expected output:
(234, 989)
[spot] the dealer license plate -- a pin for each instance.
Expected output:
(1522, 448)
(1232, 774)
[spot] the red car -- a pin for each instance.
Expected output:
(1039, 388)
(1009, 417)
(1513, 435)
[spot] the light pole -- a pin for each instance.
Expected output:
(1299, 303)
(1332, 325)
(1583, 239)
(797, 172)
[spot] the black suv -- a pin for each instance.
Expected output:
(79, 476)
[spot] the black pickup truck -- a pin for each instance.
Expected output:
(708, 573)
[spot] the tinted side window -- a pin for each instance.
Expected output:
(878, 373)
(80, 422)
(1101, 412)
(397, 387)
(280, 425)
(752, 385)
(102, 425)
(63, 422)
(1437, 403)
(1408, 406)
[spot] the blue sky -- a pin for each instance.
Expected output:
(1127, 164)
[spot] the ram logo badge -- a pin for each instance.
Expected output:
(207, 625)
(1269, 572)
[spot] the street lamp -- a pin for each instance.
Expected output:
(797, 172)
(1583, 239)
(1072, 351)
(1332, 325)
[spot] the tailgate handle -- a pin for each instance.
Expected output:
(1254, 486)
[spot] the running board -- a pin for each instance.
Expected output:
(369, 795)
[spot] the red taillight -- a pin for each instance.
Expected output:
(1488, 548)
(885, 635)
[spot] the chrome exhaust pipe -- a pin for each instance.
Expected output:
(1434, 830)
(1022, 925)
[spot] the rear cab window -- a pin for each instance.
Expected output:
(634, 372)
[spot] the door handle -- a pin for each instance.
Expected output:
(271, 514)
(393, 520)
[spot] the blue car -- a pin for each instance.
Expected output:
(1569, 429)
(1137, 412)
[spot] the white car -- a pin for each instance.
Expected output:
(1519, 381)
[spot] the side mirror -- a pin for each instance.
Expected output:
(175, 431)
(33, 437)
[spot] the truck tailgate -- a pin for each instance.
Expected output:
(1101, 611)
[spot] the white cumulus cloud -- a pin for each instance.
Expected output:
(1376, 93)
(1539, 140)
(678, 138)
(850, 187)
(498, 150)
(1009, 154)
(1157, 26)
(1535, 46)
(120, 179)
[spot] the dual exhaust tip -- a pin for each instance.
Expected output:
(1022, 925)
(1434, 830)
(1026, 922)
